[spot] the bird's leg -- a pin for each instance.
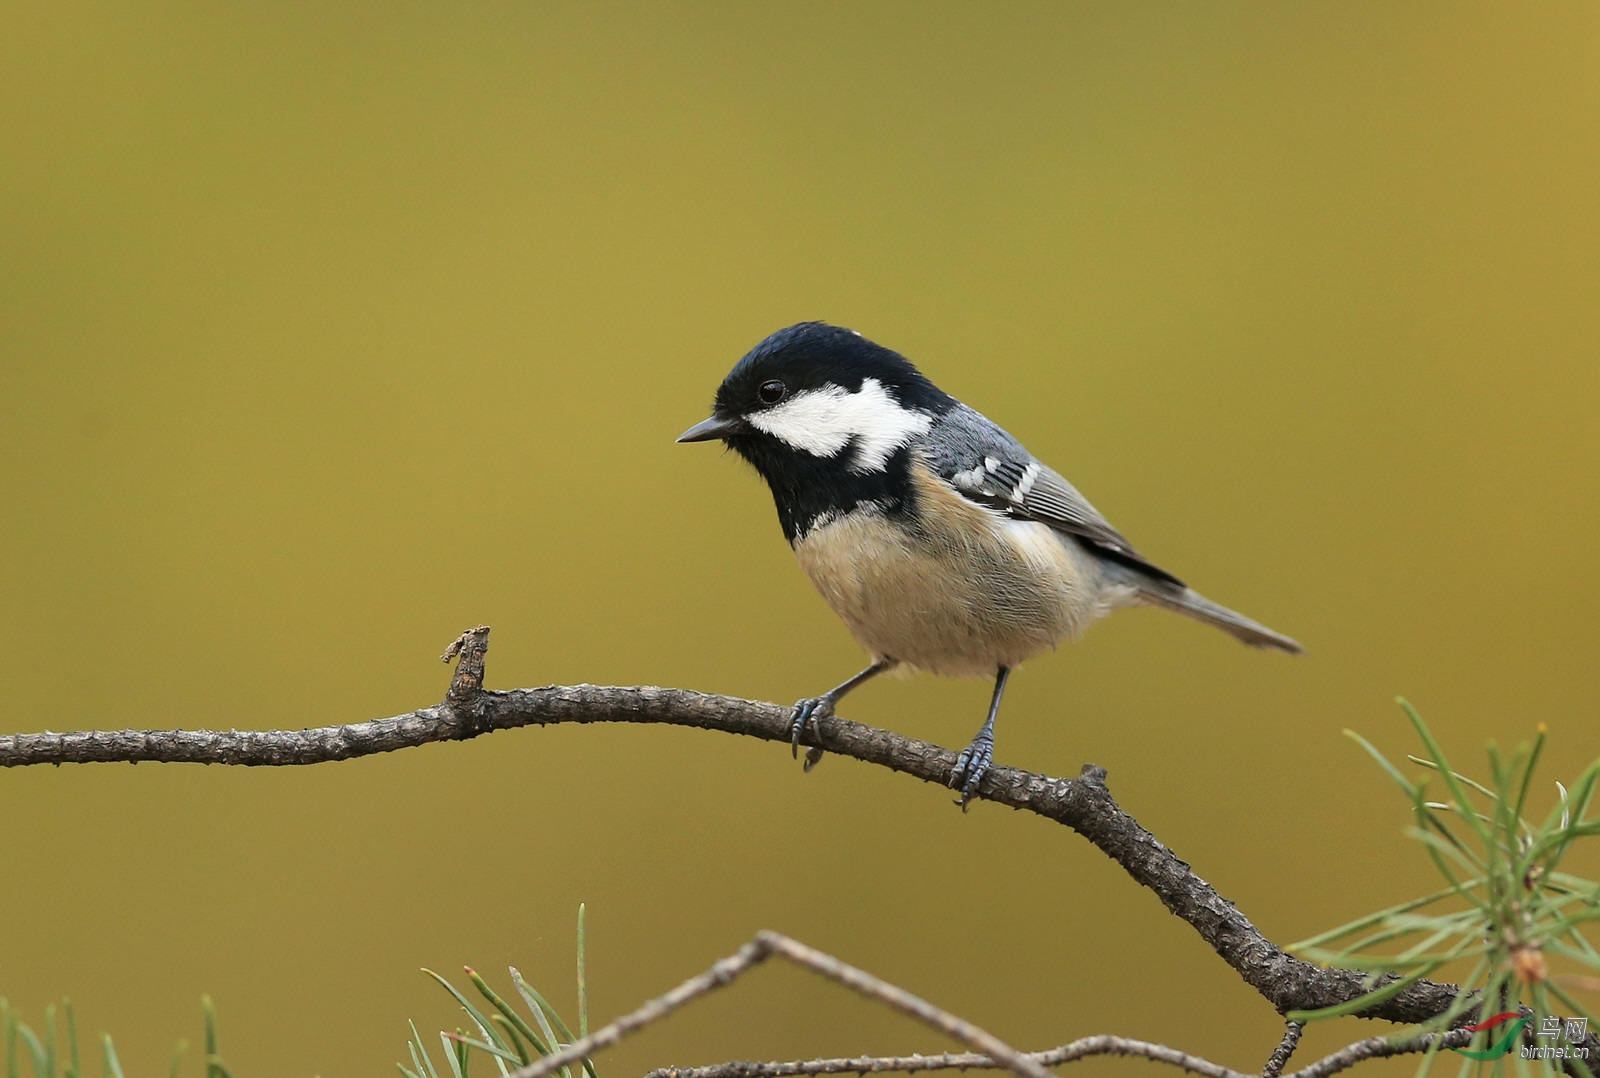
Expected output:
(976, 757)
(814, 709)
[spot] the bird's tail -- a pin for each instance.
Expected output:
(1197, 606)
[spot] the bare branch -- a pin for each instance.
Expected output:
(1380, 1048)
(758, 950)
(1280, 1055)
(846, 1065)
(1084, 1047)
(1100, 1045)
(1084, 804)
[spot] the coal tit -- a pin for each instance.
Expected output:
(938, 539)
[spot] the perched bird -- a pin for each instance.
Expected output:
(938, 539)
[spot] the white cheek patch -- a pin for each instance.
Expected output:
(823, 421)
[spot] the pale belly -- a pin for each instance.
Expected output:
(983, 593)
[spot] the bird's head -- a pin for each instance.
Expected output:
(816, 396)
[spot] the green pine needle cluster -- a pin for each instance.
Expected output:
(1507, 912)
(502, 1032)
(52, 1057)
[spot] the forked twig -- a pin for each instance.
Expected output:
(757, 951)
(991, 1052)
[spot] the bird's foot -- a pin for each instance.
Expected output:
(970, 768)
(809, 712)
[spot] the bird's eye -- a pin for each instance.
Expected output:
(771, 392)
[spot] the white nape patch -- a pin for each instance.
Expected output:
(1030, 476)
(823, 421)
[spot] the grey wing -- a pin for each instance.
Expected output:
(991, 468)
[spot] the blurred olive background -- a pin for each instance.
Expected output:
(330, 330)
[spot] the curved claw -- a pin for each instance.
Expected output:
(971, 766)
(808, 712)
